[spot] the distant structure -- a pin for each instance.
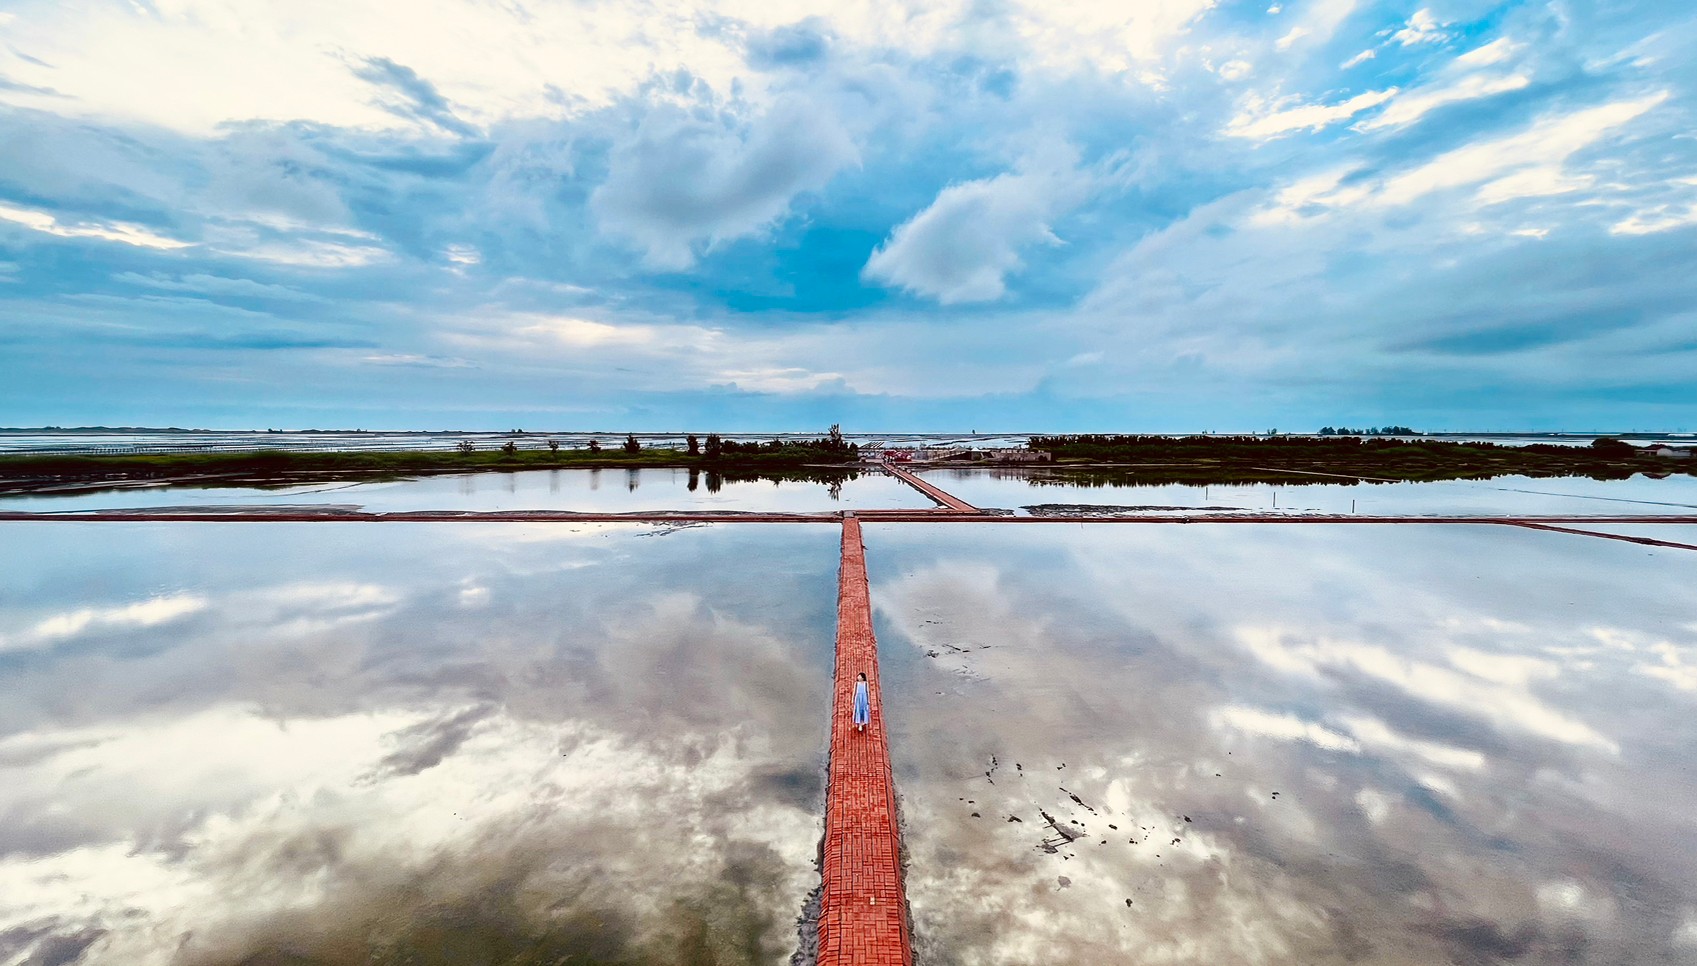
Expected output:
(1671, 452)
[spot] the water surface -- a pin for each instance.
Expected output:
(1292, 744)
(1022, 490)
(338, 744)
(585, 491)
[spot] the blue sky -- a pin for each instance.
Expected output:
(1009, 215)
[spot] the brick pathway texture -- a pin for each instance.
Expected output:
(863, 912)
(948, 500)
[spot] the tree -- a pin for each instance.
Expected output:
(510, 448)
(715, 446)
(466, 447)
(1610, 448)
(836, 435)
(595, 446)
(553, 446)
(694, 446)
(631, 445)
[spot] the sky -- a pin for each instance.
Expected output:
(997, 215)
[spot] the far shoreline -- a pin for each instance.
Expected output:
(1126, 460)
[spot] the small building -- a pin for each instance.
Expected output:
(1671, 452)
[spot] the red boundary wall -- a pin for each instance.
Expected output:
(863, 910)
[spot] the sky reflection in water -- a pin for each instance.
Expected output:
(584, 491)
(1019, 488)
(432, 744)
(1390, 745)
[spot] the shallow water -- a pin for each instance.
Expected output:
(584, 491)
(1389, 745)
(268, 743)
(1020, 489)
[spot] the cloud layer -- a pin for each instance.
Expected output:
(1187, 215)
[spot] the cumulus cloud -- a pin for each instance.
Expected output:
(678, 180)
(384, 190)
(1422, 28)
(963, 246)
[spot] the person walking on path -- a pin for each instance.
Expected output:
(862, 704)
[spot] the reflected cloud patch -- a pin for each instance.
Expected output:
(67, 625)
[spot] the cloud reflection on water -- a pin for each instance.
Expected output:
(614, 754)
(1318, 744)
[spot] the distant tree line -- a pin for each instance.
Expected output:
(830, 448)
(1250, 458)
(1369, 431)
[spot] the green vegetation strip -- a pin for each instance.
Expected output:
(283, 467)
(1118, 460)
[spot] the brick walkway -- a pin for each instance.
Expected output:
(863, 913)
(948, 500)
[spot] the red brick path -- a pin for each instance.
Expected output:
(948, 500)
(863, 914)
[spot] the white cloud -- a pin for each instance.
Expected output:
(1524, 165)
(1378, 736)
(1657, 219)
(1417, 103)
(209, 62)
(66, 625)
(311, 253)
(964, 245)
(1509, 706)
(579, 333)
(117, 231)
(1235, 70)
(1674, 668)
(1358, 59)
(1262, 120)
(1111, 35)
(1494, 52)
(1284, 727)
(1537, 182)
(1545, 147)
(463, 255)
(1318, 22)
(1422, 28)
